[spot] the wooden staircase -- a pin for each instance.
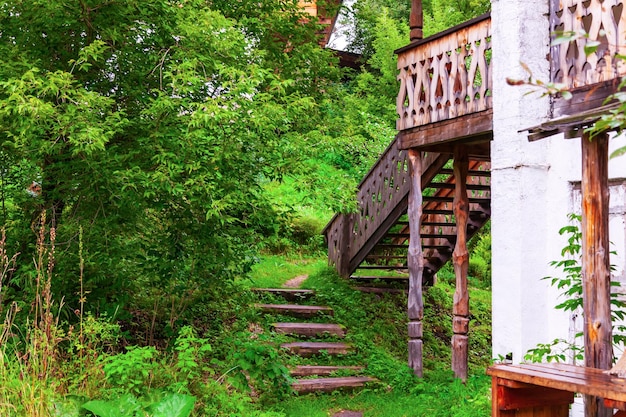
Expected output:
(372, 244)
(326, 380)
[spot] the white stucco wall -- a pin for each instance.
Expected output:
(533, 189)
(520, 187)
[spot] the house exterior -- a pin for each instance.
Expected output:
(535, 185)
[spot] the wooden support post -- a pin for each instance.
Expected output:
(415, 263)
(596, 274)
(460, 258)
(346, 240)
(416, 20)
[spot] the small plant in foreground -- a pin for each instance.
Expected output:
(571, 284)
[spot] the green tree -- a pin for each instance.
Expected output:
(152, 125)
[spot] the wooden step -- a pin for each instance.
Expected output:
(438, 224)
(396, 278)
(287, 293)
(386, 257)
(295, 309)
(380, 290)
(470, 173)
(307, 349)
(305, 386)
(383, 267)
(451, 186)
(310, 329)
(310, 370)
(443, 199)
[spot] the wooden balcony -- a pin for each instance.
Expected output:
(446, 86)
(590, 77)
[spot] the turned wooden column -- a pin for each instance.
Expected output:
(460, 259)
(596, 275)
(416, 20)
(415, 262)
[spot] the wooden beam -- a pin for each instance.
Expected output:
(415, 262)
(585, 98)
(460, 258)
(416, 20)
(462, 127)
(596, 274)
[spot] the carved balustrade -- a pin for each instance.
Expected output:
(445, 76)
(382, 199)
(379, 193)
(602, 21)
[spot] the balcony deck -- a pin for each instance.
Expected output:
(445, 88)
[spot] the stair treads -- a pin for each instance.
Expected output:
(295, 309)
(319, 370)
(470, 173)
(384, 267)
(395, 278)
(451, 186)
(287, 293)
(314, 348)
(380, 290)
(304, 386)
(310, 329)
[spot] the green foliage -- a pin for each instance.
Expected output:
(260, 365)
(571, 288)
(442, 14)
(169, 405)
(152, 127)
(132, 371)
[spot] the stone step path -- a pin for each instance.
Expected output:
(308, 349)
(305, 386)
(325, 381)
(295, 309)
(322, 370)
(310, 329)
(290, 294)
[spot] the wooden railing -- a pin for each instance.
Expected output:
(445, 76)
(382, 200)
(574, 63)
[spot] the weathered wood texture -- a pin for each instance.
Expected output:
(602, 20)
(310, 329)
(295, 309)
(445, 76)
(415, 263)
(304, 386)
(461, 265)
(535, 388)
(416, 20)
(382, 199)
(307, 349)
(596, 275)
(474, 126)
(321, 370)
(571, 65)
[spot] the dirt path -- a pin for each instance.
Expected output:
(295, 282)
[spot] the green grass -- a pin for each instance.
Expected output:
(435, 396)
(377, 326)
(274, 270)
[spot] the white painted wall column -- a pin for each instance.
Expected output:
(519, 189)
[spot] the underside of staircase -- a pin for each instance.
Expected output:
(372, 244)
